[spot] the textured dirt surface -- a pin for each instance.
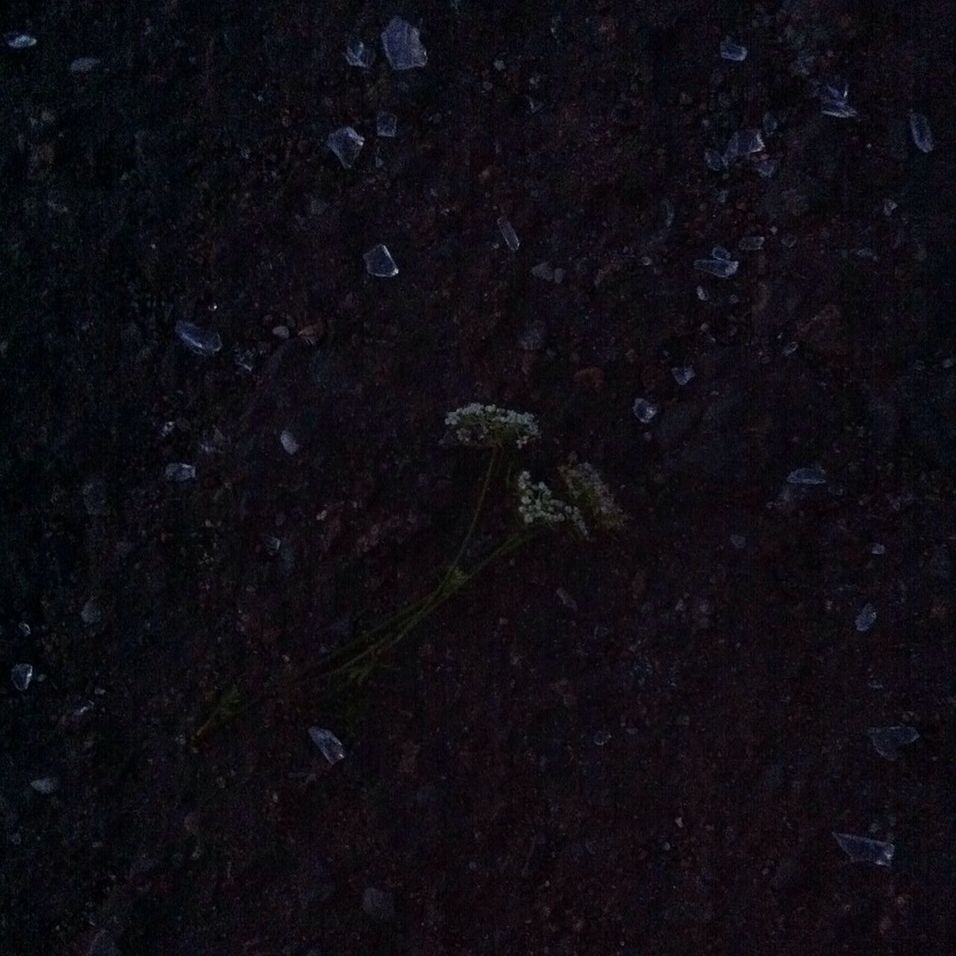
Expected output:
(637, 745)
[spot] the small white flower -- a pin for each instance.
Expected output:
(538, 506)
(488, 426)
(588, 490)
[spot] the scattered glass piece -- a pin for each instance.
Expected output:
(21, 675)
(346, 144)
(644, 411)
(360, 55)
(751, 243)
(329, 745)
(721, 268)
(199, 340)
(865, 618)
(602, 737)
(45, 785)
(24, 629)
(889, 207)
(179, 471)
(702, 293)
(922, 134)
(379, 262)
(386, 124)
(731, 50)
(84, 64)
(812, 475)
(770, 123)
(714, 160)
(888, 740)
(767, 167)
(878, 549)
(833, 100)
(19, 41)
(744, 142)
(403, 46)
(288, 442)
(864, 850)
(544, 271)
(683, 374)
(719, 252)
(508, 234)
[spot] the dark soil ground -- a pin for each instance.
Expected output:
(637, 745)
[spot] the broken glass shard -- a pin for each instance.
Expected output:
(888, 740)
(770, 124)
(864, 850)
(715, 162)
(403, 46)
(508, 234)
(84, 64)
(360, 55)
(719, 252)
(289, 443)
(922, 134)
(46, 785)
(21, 675)
(644, 411)
(601, 738)
(767, 167)
(91, 612)
(329, 745)
(744, 142)
(683, 374)
(812, 475)
(346, 144)
(179, 471)
(750, 243)
(379, 262)
(731, 50)
(833, 100)
(19, 41)
(386, 124)
(721, 268)
(865, 618)
(199, 340)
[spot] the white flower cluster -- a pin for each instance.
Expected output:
(488, 426)
(538, 506)
(588, 490)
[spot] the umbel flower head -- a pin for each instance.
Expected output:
(588, 491)
(538, 507)
(488, 426)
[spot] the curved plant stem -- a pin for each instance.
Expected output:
(405, 619)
